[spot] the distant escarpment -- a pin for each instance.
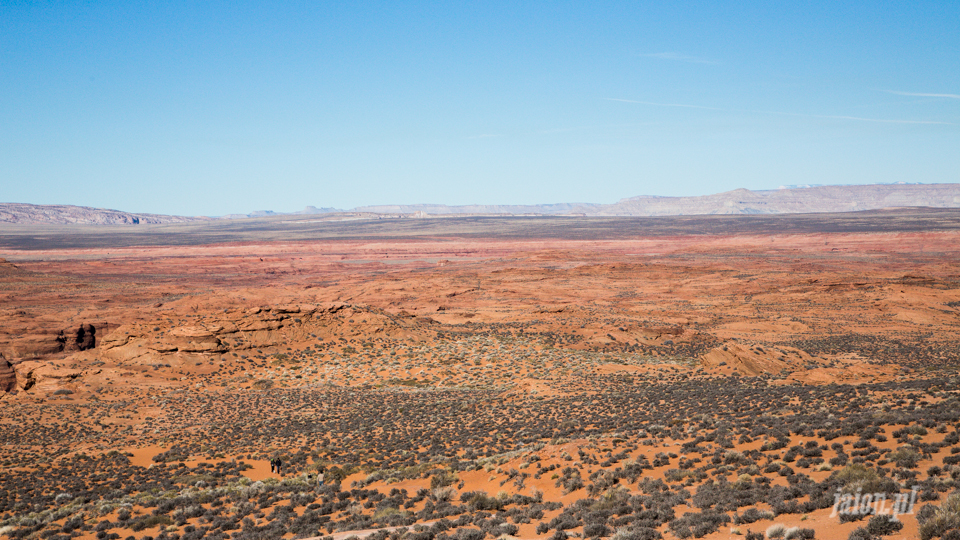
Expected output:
(787, 200)
(65, 214)
(816, 199)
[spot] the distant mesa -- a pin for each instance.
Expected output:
(315, 210)
(80, 215)
(802, 199)
(799, 199)
(794, 200)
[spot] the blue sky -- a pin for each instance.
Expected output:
(211, 108)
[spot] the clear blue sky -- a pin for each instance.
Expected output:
(211, 108)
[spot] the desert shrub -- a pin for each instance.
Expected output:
(753, 535)
(677, 475)
(860, 533)
(796, 533)
(336, 475)
(74, 522)
(595, 530)
(563, 521)
(637, 533)
(751, 515)
(479, 500)
(858, 476)
(469, 534)
(840, 459)
(937, 522)
(905, 456)
(147, 522)
(442, 479)
(883, 525)
(173, 454)
(847, 517)
(443, 494)
(776, 530)
(697, 525)
(910, 430)
(572, 484)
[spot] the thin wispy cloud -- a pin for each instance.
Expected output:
(677, 57)
(780, 113)
(921, 94)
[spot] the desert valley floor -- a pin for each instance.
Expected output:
(460, 378)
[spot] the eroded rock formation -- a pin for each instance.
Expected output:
(8, 376)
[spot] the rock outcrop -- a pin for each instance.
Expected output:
(254, 328)
(753, 361)
(8, 375)
(47, 377)
(36, 340)
(8, 269)
(81, 339)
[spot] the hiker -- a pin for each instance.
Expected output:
(320, 477)
(274, 464)
(279, 464)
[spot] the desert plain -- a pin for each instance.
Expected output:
(467, 377)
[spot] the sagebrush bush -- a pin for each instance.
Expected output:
(776, 530)
(858, 476)
(905, 457)
(883, 525)
(938, 522)
(796, 533)
(637, 533)
(443, 494)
